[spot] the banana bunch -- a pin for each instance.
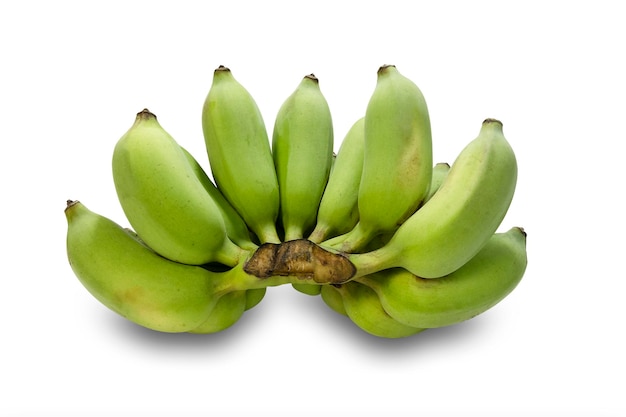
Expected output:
(385, 236)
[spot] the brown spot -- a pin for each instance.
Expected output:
(301, 259)
(261, 264)
(295, 258)
(331, 267)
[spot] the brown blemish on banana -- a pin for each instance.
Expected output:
(331, 267)
(301, 259)
(384, 68)
(312, 77)
(70, 203)
(261, 264)
(295, 258)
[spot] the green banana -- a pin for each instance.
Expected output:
(128, 277)
(364, 308)
(332, 298)
(302, 147)
(254, 297)
(308, 289)
(133, 280)
(239, 154)
(459, 219)
(132, 233)
(471, 290)
(440, 171)
(164, 201)
(338, 212)
(236, 228)
(396, 244)
(227, 311)
(397, 164)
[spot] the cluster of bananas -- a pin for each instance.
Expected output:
(384, 236)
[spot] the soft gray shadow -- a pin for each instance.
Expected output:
(338, 326)
(426, 340)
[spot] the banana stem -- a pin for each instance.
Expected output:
(293, 232)
(371, 262)
(318, 234)
(293, 262)
(333, 243)
(352, 241)
(299, 262)
(236, 279)
(231, 254)
(268, 234)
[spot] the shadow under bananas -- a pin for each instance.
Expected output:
(341, 328)
(338, 328)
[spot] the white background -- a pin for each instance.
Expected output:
(73, 76)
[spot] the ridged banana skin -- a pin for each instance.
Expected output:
(338, 211)
(227, 311)
(240, 155)
(364, 308)
(302, 147)
(131, 279)
(163, 199)
(236, 228)
(469, 291)
(447, 231)
(397, 164)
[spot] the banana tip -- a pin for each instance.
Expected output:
(385, 66)
(312, 77)
(145, 114)
(492, 120)
(68, 207)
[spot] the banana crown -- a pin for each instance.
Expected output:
(383, 235)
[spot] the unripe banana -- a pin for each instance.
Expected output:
(397, 164)
(133, 280)
(302, 146)
(227, 311)
(254, 297)
(308, 289)
(163, 199)
(332, 298)
(132, 233)
(236, 228)
(459, 219)
(364, 308)
(338, 211)
(239, 154)
(471, 290)
(440, 172)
